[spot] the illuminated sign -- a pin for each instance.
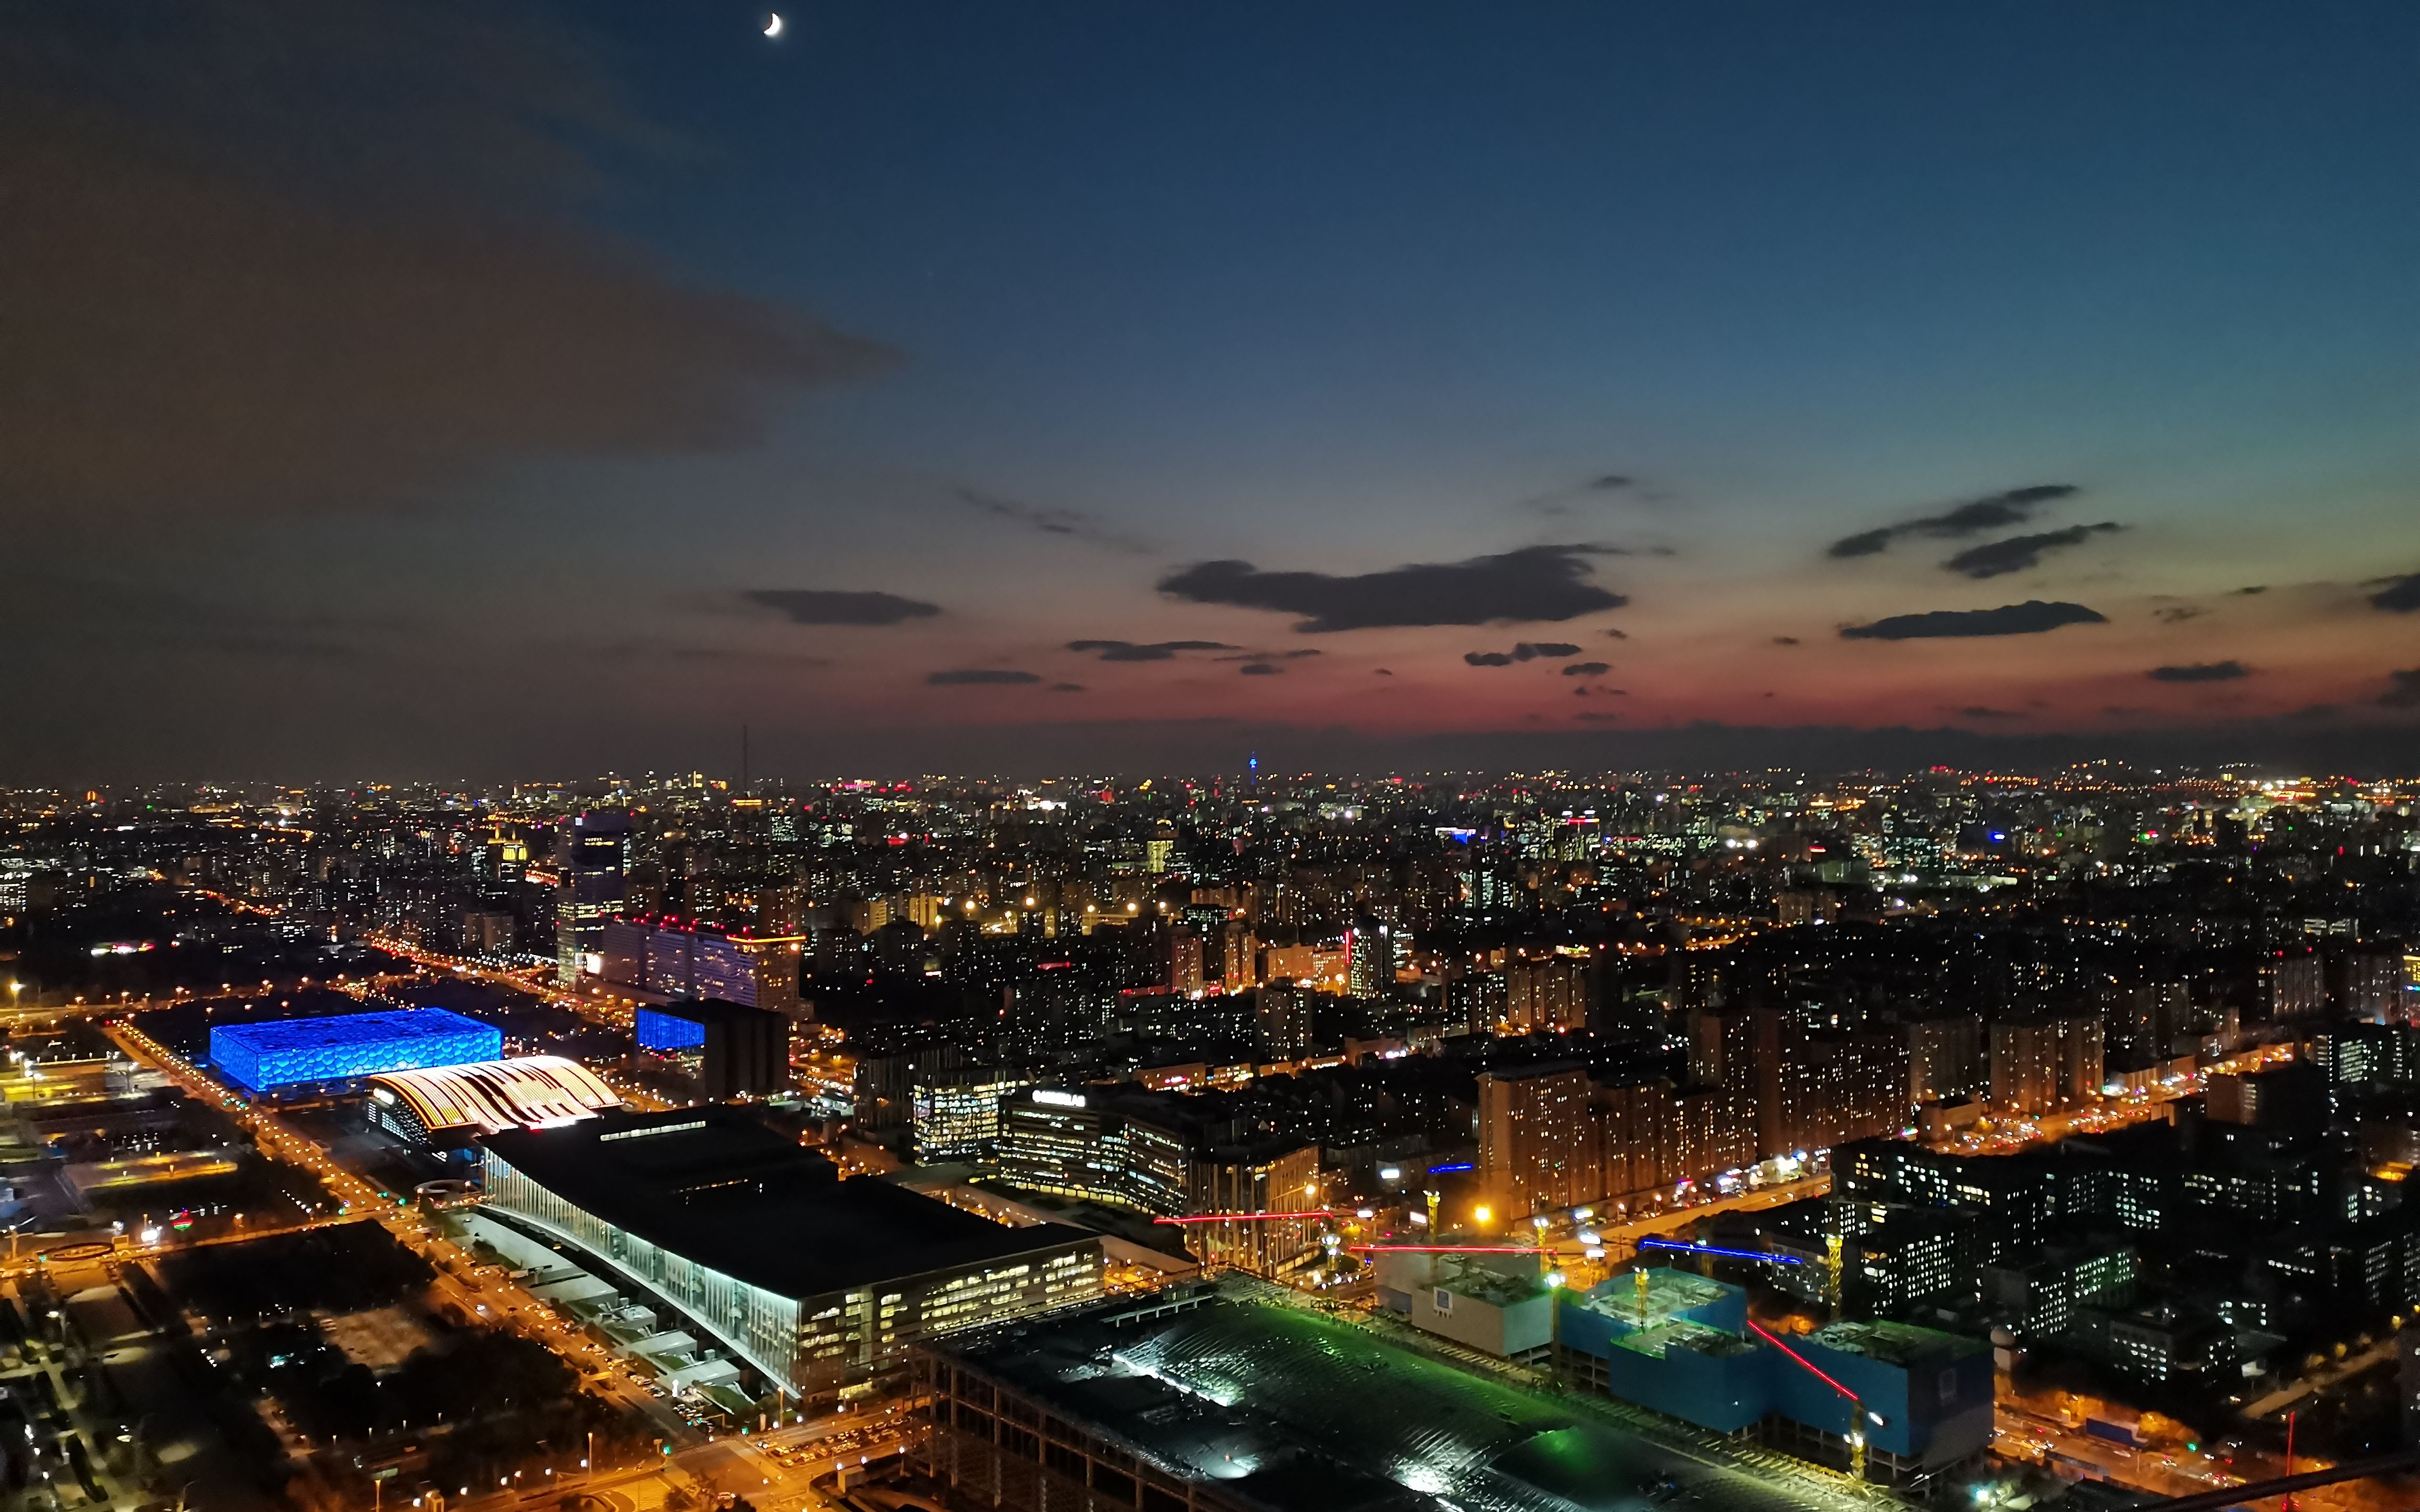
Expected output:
(1058, 1100)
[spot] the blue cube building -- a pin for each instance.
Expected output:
(278, 1053)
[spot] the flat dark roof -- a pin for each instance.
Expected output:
(717, 1187)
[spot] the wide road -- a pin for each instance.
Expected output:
(480, 1292)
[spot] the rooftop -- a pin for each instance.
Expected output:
(717, 1187)
(1282, 1408)
(397, 1023)
(1898, 1344)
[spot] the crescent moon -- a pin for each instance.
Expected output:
(773, 24)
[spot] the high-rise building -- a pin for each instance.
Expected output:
(1945, 1059)
(1282, 1013)
(1537, 1144)
(1184, 960)
(1372, 948)
(2291, 987)
(1476, 1000)
(596, 863)
(2043, 1066)
(1546, 995)
(1819, 1089)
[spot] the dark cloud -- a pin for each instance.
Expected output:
(1067, 687)
(1381, 672)
(2178, 613)
(2200, 671)
(2404, 693)
(1151, 651)
(268, 254)
(1295, 655)
(1587, 668)
(1979, 711)
(2256, 588)
(1594, 717)
(2032, 617)
(824, 606)
(1525, 650)
(1785, 640)
(1612, 634)
(978, 677)
(2400, 596)
(1535, 583)
(1990, 513)
(2017, 553)
(1259, 669)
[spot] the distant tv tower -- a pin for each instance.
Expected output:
(1254, 765)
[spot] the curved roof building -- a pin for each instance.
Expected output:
(448, 1105)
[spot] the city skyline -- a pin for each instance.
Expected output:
(940, 388)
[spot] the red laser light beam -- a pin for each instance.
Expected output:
(1250, 1217)
(1447, 1249)
(1806, 1361)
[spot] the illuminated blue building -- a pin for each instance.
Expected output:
(1682, 1345)
(293, 1052)
(665, 1031)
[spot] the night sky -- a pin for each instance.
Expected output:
(503, 391)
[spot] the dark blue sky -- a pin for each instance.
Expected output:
(1325, 290)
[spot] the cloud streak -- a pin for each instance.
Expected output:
(1997, 559)
(2032, 617)
(824, 606)
(1072, 523)
(2012, 507)
(1538, 583)
(1149, 651)
(1525, 650)
(978, 677)
(2200, 671)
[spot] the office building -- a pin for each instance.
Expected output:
(1169, 1155)
(279, 1053)
(819, 1284)
(673, 957)
(956, 1110)
(595, 864)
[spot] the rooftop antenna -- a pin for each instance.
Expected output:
(743, 758)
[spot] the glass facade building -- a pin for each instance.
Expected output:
(819, 1284)
(297, 1052)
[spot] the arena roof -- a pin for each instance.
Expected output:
(530, 1092)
